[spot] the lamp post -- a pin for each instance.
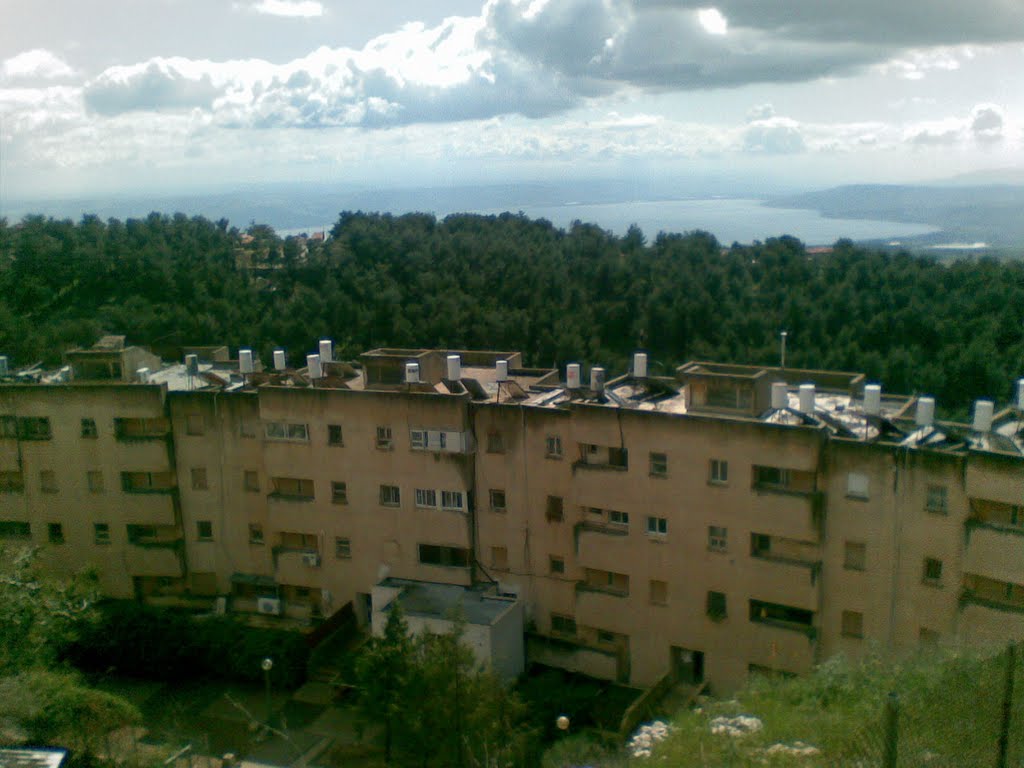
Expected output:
(267, 665)
(783, 362)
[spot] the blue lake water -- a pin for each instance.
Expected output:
(728, 219)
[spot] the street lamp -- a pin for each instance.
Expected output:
(267, 665)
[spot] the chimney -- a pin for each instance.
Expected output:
(454, 367)
(142, 375)
(640, 365)
(412, 373)
(326, 351)
(983, 410)
(501, 369)
(192, 365)
(807, 399)
(314, 368)
(873, 399)
(280, 361)
(572, 376)
(780, 395)
(245, 361)
(925, 411)
(597, 380)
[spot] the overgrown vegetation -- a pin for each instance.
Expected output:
(506, 282)
(436, 706)
(138, 640)
(42, 701)
(949, 715)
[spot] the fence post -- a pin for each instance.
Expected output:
(892, 735)
(1004, 730)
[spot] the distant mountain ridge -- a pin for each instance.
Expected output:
(990, 213)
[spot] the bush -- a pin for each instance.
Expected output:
(142, 641)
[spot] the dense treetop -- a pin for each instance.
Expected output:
(955, 330)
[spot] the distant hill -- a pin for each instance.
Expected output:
(966, 214)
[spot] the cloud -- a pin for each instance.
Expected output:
(302, 9)
(773, 136)
(160, 84)
(760, 112)
(36, 63)
(987, 123)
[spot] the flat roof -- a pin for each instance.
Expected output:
(440, 601)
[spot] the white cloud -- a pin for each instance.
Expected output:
(773, 136)
(987, 123)
(36, 63)
(303, 9)
(760, 112)
(713, 21)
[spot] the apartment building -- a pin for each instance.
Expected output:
(720, 520)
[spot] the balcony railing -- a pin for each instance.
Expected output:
(970, 597)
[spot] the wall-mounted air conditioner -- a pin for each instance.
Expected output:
(269, 605)
(312, 559)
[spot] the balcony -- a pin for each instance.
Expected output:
(150, 508)
(779, 648)
(785, 580)
(154, 559)
(600, 546)
(787, 513)
(141, 430)
(995, 551)
(295, 566)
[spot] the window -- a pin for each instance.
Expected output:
(283, 430)
(194, 424)
(604, 637)
(11, 482)
(554, 511)
(199, 479)
(255, 533)
(932, 571)
(716, 609)
(718, 472)
(659, 592)
(89, 428)
(390, 496)
(47, 481)
(718, 538)
(659, 465)
(452, 557)
(140, 429)
(499, 558)
(8, 427)
(101, 533)
(771, 477)
(297, 488)
(857, 485)
(853, 624)
(251, 480)
(34, 428)
(495, 442)
(563, 625)
(855, 556)
(497, 500)
(342, 548)
(384, 438)
(620, 519)
(760, 545)
(147, 482)
(55, 532)
(608, 581)
(451, 499)
(417, 439)
(657, 526)
(14, 529)
(618, 457)
(339, 492)
(426, 497)
(553, 447)
(556, 564)
(334, 436)
(296, 541)
(140, 534)
(204, 530)
(938, 499)
(95, 479)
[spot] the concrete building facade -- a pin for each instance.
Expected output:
(721, 520)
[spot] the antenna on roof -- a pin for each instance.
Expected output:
(782, 363)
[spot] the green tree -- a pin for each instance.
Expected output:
(383, 672)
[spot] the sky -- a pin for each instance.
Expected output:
(108, 96)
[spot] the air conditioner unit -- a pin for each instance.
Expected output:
(312, 559)
(269, 605)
